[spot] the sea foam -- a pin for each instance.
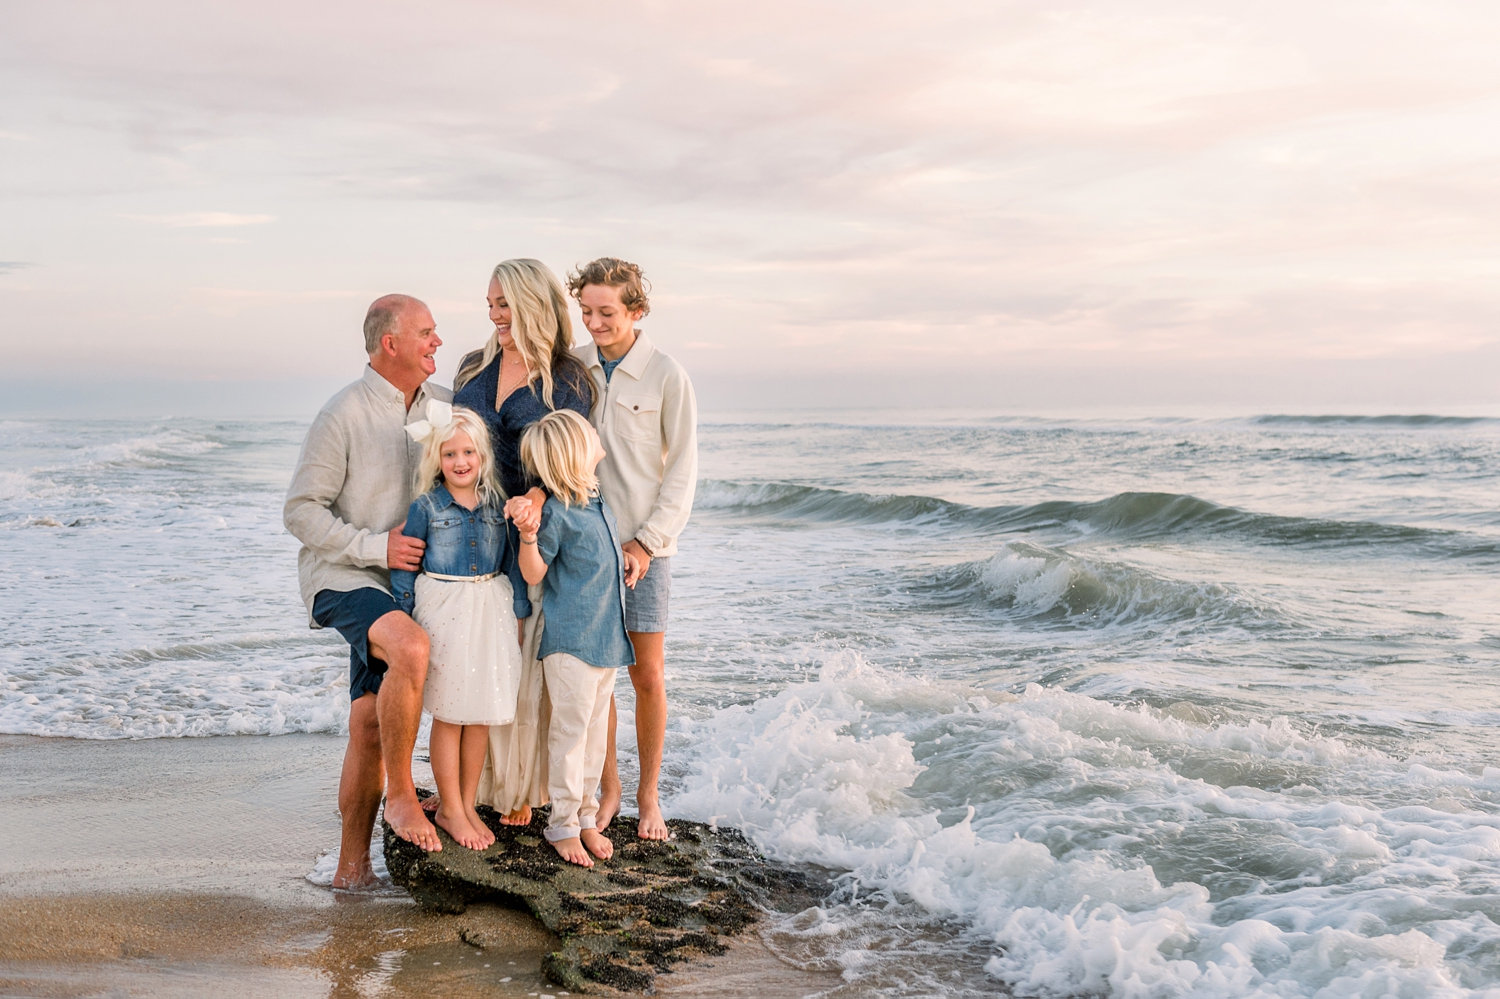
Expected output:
(1062, 832)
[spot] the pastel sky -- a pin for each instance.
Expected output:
(1051, 206)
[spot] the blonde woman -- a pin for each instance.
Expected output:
(524, 371)
(647, 417)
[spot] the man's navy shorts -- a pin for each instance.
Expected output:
(350, 614)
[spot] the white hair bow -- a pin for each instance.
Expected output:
(439, 423)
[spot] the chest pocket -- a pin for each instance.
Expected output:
(637, 416)
(445, 533)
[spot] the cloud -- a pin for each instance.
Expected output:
(825, 179)
(201, 220)
(9, 266)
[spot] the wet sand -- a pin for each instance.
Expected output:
(178, 867)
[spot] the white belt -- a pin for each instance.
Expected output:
(460, 579)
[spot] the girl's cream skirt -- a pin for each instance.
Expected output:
(474, 671)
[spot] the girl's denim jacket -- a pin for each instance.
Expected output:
(460, 542)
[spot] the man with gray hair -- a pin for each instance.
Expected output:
(347, 504)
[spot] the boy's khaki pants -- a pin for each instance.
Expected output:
(576, 741)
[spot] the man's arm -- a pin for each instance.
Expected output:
(321, 471)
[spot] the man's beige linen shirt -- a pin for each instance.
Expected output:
(647, 418)
(353, 483)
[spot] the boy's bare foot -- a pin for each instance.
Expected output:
(458, 827)
(520, 817)
(573, 852)
(609, 802)
(358, 877)
(410, 823)
(652, 825)
(480, 829)
(597, 843)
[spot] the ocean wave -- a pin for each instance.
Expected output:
(1387, 420)
(1092, 850)
(1131, 515)
(1045, 586)
(257, 685)
(158, 449)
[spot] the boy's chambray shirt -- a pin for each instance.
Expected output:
(583, 593)
(460, 542)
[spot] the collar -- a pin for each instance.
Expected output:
(635, 360)
(376, 384)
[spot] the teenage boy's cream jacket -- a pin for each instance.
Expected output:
(647, 418)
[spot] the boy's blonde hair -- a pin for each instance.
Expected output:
(613, 272)
(557, 449)
(430, 470)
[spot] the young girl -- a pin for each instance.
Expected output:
(466, 604)
(572, 548)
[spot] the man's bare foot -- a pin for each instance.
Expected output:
(520, 817)
(652, 825)
(431, 802)
(609, 802)
(355, 876)
(597, 843)
(410, 823)
(480, 829)
(457, 826)
(573, 852)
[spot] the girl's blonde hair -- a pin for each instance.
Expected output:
(539, 325)
(557, 450)
(430, 470)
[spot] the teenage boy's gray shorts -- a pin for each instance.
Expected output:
(646, 605)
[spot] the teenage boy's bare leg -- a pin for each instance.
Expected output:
(648, 676)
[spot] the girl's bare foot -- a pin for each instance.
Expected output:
(652, 825)
(520, 817)
(458, 827)
(573, 852)
(597, 843)
(431, 802)
(480, 828)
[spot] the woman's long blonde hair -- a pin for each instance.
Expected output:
(539, 325)
(557, 449)
(430, 469)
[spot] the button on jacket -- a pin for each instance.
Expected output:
(583, 593)
(647, 419)
(460, 542)
(352, 484)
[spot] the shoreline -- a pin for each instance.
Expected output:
(178, 867)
